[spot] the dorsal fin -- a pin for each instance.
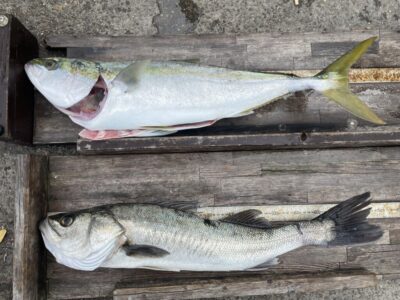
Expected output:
(178, 205)
(248, 218)
(130, 75)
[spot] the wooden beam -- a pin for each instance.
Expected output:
(29, 267)
(361, 137)
(17, 47)
(247, 286)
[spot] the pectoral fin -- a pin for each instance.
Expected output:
(144, 251)
(130, 76)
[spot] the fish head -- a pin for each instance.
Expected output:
(82, 240)
(74, 86)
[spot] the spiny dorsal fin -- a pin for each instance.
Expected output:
(130, 75)
(144, 250)
(248, 218)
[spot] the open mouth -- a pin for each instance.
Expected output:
(90, 106)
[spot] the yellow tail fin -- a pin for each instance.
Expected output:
(338, 72)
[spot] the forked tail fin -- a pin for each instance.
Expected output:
(338, 72)
(350, 219)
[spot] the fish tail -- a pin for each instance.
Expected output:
(337, 88)
(350, 225)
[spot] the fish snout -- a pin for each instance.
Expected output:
(34, 71)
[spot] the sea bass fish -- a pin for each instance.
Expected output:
(168, 238)
(144, 98)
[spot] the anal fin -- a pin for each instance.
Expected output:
(265, 265)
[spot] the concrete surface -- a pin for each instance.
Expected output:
(147, 17)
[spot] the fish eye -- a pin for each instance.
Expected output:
(51, 64)
(67, 220)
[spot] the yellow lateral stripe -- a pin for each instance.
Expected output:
(373, 75)
(298, 212)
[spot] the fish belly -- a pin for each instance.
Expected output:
(172, 100)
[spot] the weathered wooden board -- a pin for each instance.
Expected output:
(361, 137)
(224, 179)
(298, 184)
(17, 47)
(29, 266)
(285, 52)
(261, 285)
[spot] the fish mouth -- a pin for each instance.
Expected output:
(91, 105)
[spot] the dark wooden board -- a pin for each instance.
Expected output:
(17, 47)
(29, 265)
(230, 179)
(362, 137)
(261, 285)
(287, 52)
(225, 178)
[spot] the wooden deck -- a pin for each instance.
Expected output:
(285, 185)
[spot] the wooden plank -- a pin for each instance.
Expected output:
(18, 46)
(363, 137)
(262, 51)
(395, 236)
(246, 286)
(381, 259)
(29, 268)
(225, 179)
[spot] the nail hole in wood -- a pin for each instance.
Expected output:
(303, 136)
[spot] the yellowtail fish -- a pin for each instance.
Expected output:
(150, 98)
(171, 239)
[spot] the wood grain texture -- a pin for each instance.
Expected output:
(363, 137)
(262, 52)
(261, 285)
(225, 179)
(29, 267)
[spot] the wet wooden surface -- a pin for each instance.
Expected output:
(294, 182)
(258, 52)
